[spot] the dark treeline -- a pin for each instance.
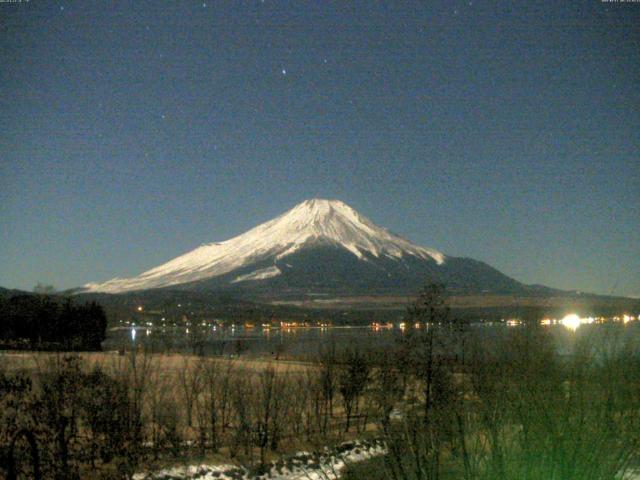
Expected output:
(42, 322)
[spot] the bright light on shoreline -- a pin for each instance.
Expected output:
(571, 321)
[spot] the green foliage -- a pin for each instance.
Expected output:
(549, 417)
(508, 407)
(373, 469)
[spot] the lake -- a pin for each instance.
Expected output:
(306, 342)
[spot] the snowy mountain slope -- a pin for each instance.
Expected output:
(310, 224)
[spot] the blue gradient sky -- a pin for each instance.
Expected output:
(131, 132)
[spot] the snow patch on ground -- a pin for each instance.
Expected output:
(326, 465)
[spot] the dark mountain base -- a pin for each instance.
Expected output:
(176, 305)
(336, 271)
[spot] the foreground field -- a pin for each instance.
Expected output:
(171, 365)
(121, 413)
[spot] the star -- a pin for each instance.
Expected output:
(164, 116)
(284, 71)
(61, 7)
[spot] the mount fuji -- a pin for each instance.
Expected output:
(317, 247)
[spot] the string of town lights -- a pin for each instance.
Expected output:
(571, 321)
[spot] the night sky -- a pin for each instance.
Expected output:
(509, 132)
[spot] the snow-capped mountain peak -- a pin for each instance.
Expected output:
(335, 221)
(315, 221)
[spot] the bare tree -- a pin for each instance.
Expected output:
(264, 409)
(241, 393)
(134, 371)
(212, 406)
(299, 395)
(163, 421)
(328, 381)
(353, 380)
(228, 373)
(191, 383)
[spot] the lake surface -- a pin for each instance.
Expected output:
(308, 342)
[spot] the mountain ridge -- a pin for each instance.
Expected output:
(312, 222)
(318, 246)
